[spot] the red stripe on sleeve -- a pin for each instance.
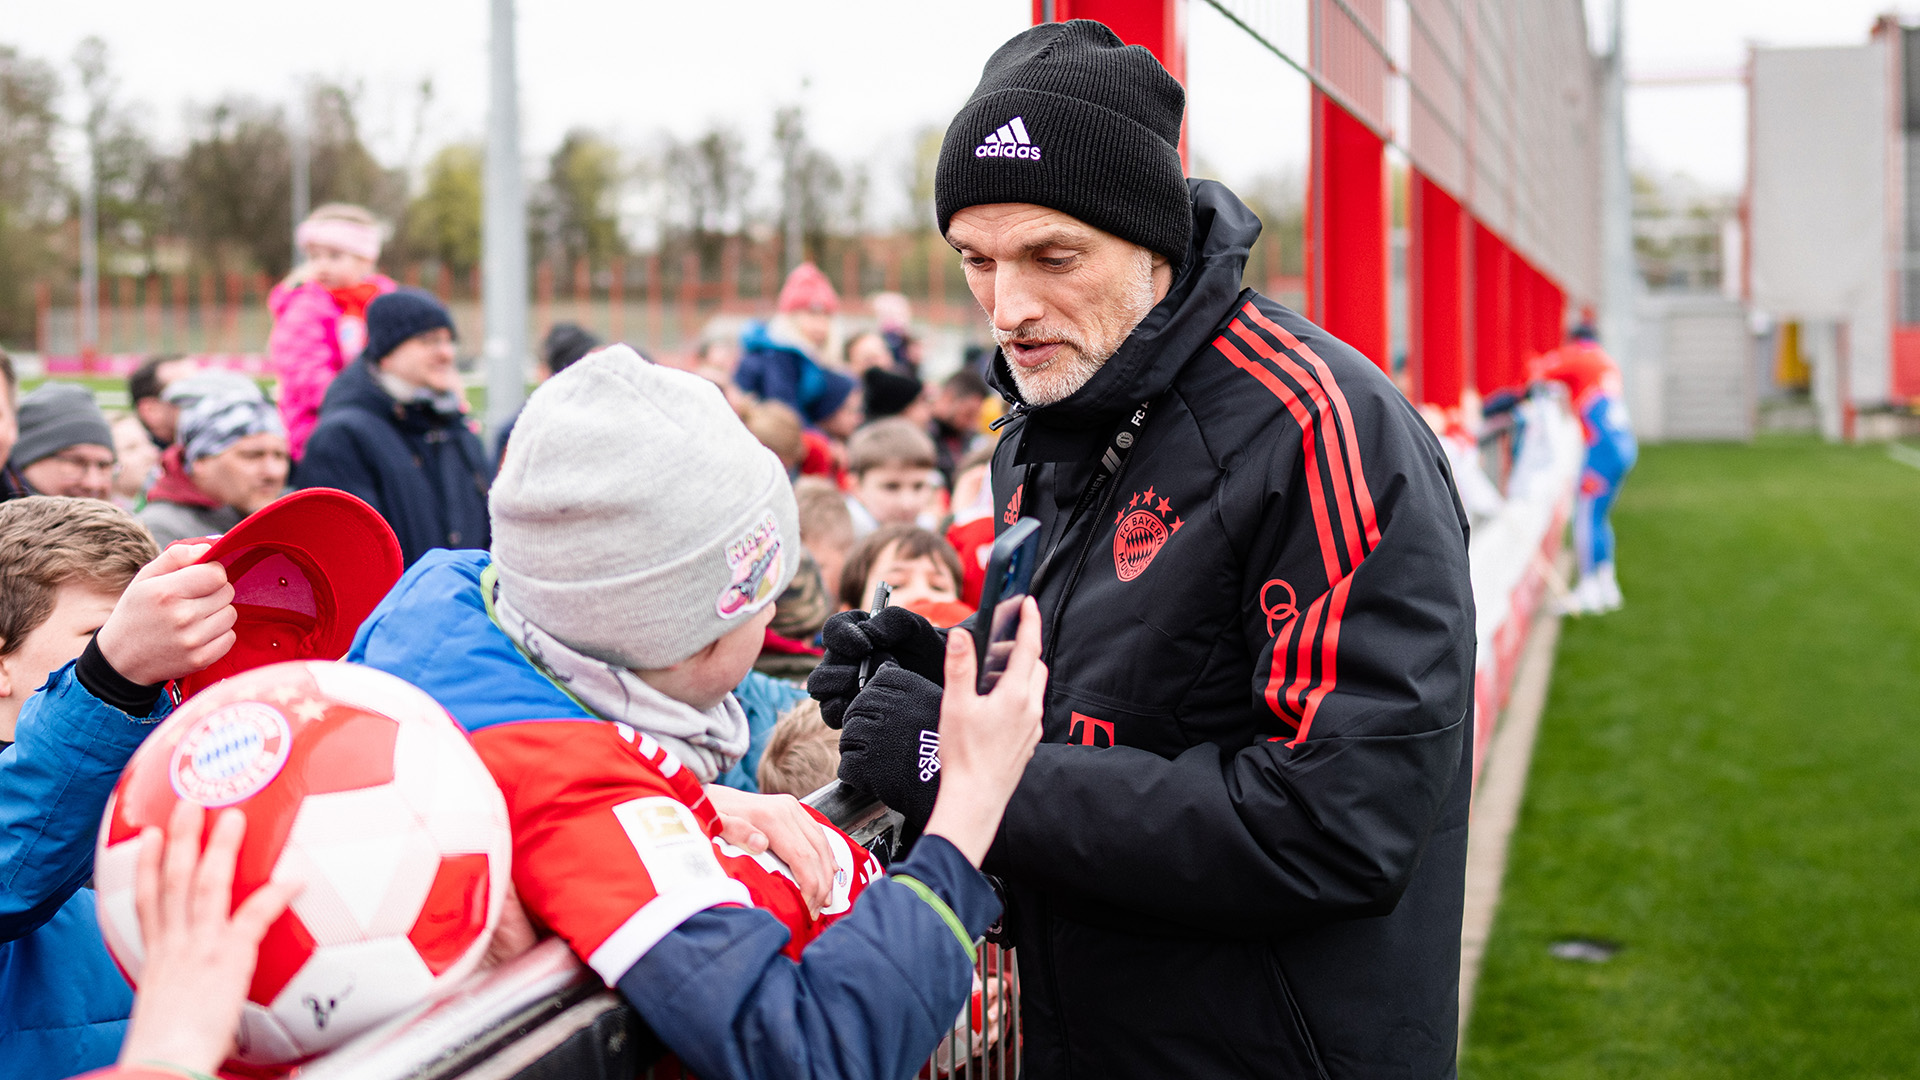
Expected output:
(1361, 493)
(1329, 549)
(1340, 481)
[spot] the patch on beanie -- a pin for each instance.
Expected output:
(1009, 140)
(755, 561)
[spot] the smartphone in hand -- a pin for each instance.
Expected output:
(1009, 579)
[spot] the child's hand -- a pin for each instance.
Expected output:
(199, 960)
(757, 823)
(986, 742)
(174, 619)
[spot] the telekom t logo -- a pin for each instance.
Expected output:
(1087, 731)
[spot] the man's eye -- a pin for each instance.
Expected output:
(977, 262)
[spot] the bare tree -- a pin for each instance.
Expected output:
(577, 209)
(811, 185)
(708, 181)
(33, 195)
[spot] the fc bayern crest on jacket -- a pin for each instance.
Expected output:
(1142, 529)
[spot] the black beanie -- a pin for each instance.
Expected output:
(888, 393)
(1069, 118)
(399, 315)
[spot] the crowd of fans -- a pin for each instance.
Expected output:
(889, 472)
(888, 475)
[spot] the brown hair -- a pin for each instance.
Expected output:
(47, 541)
(778, 428)
(915, 543)
(802, 754)
(893, 441)
(825, 520)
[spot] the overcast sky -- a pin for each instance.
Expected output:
(869, 72)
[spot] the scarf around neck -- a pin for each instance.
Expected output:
(707, 741)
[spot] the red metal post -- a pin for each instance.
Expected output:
(1347, 221)
(653, 302)
(1437, 348)
(850, 273)
(42, 314)
(617, 301)
(543, 296)
(1160, 25)
(1490, 328)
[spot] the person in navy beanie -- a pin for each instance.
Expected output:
(393, 430)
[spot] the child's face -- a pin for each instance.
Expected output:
(895, 494)
(336, 269)
(704, 679)
(914, 578)
(78, 610)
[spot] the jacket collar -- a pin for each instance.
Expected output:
(358, 387)
(1178, 328)
(175, 486)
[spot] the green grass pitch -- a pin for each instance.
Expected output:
(1727, 783)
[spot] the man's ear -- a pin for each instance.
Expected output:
(6, 675)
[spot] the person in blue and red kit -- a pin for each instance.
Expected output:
(1239, 850)
(1593, 384)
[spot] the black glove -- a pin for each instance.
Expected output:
(896, 635)
(891, 744)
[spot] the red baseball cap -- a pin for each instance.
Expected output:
(307, 569)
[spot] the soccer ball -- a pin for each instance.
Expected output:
(362, 787)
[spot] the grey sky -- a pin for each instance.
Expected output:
(868, 71)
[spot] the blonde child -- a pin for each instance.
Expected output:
(319, 311)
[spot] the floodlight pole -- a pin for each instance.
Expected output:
(90, 252)
(504, 238)
(1618, 292)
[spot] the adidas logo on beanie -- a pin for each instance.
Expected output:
(1010, 141)
(1110, 118)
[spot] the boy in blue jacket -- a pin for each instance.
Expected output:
(640, 536)
(92, 626)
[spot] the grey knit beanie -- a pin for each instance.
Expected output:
(635, 518)
(54, 417)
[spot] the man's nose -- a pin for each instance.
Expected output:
(1016, 299)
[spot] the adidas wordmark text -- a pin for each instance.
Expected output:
(1010, 141)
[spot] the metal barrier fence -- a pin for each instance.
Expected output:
(546, 1016)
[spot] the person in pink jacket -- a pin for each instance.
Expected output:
(319, 311)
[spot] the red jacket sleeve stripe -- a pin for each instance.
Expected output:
(1329, 551)
(1339, 481)
(1359, 479)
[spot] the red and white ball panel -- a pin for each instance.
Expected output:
(355, 783)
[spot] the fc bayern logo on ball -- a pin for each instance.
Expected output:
(230, 753)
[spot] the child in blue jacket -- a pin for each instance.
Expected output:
(92, 625)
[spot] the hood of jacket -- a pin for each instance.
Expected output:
(1178, 327)
(433, 631)
(777, 333)
(358, 387)
(175, 486)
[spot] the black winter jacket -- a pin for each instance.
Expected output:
(418, 465)
(1239, 850)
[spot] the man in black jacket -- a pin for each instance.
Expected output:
(1239, 850)
(393, 430)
